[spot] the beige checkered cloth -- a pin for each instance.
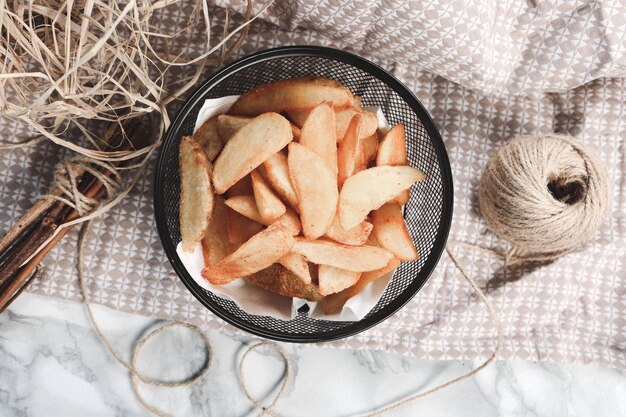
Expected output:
(486, 71)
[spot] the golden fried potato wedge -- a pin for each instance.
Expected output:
(208, 138)
(356, 236)
(269, 205)
(228, 125)
(349, 150)
(298, 117)
(292, 94)
(342, 120)
(391, 232)
(196, 192)
(392, 151)
(335, 302)
(316, 187)
(291, 221)
(297, 264)
(246, 206)
(276, 171)
(332, 279)
(369, 189)
(295, 130)
(261, 251)
(279, 280)
(241, 187)
(369, 150)
(318, 134)
(352, 258)
(215, 243)
(241, 228)
(251, 145)
(369, 122)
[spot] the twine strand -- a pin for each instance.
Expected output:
(285, 377)
(132, 366)
(500, 341)
(65, 181)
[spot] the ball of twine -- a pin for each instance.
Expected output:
(544, 194)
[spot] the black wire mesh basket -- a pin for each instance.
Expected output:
(428, 214)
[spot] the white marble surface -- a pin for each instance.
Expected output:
(52, 364)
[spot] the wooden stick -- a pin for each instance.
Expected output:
(46, 228)
(31, 216)
(18, 283)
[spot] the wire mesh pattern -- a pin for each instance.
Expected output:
(428, 213)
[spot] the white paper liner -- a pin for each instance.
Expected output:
(255, 300)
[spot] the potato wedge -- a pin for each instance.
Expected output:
(241, 187)
(357, 102)
(279, 280)
(215, 243)
(261, 251)
(241, 228)
(276, 171)
(392, 151)
(318, 134)
(292, 94)
(356, 236)
(298, 117)
(335, 302)
(297, 264)
(246, 206)
(260, 138)
(269, 205)
(291, 221)
(228, 125)
(342, 120)
(352, 258)
(369, 189)
(196, 192)
(332, 279)
(391, 232)
(369, 149)
(208, 138)
(369, 122)
(316, 187)
(349, 150)
(295, 130)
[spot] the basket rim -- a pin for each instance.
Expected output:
(416, 106)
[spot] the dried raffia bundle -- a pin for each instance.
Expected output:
(76, 73)
(68, 62)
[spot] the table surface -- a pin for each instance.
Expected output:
(53, 364)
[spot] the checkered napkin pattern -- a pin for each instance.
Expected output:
(486, 71)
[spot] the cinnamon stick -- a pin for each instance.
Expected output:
(20, 279)
(42, 205)
(32, 242)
